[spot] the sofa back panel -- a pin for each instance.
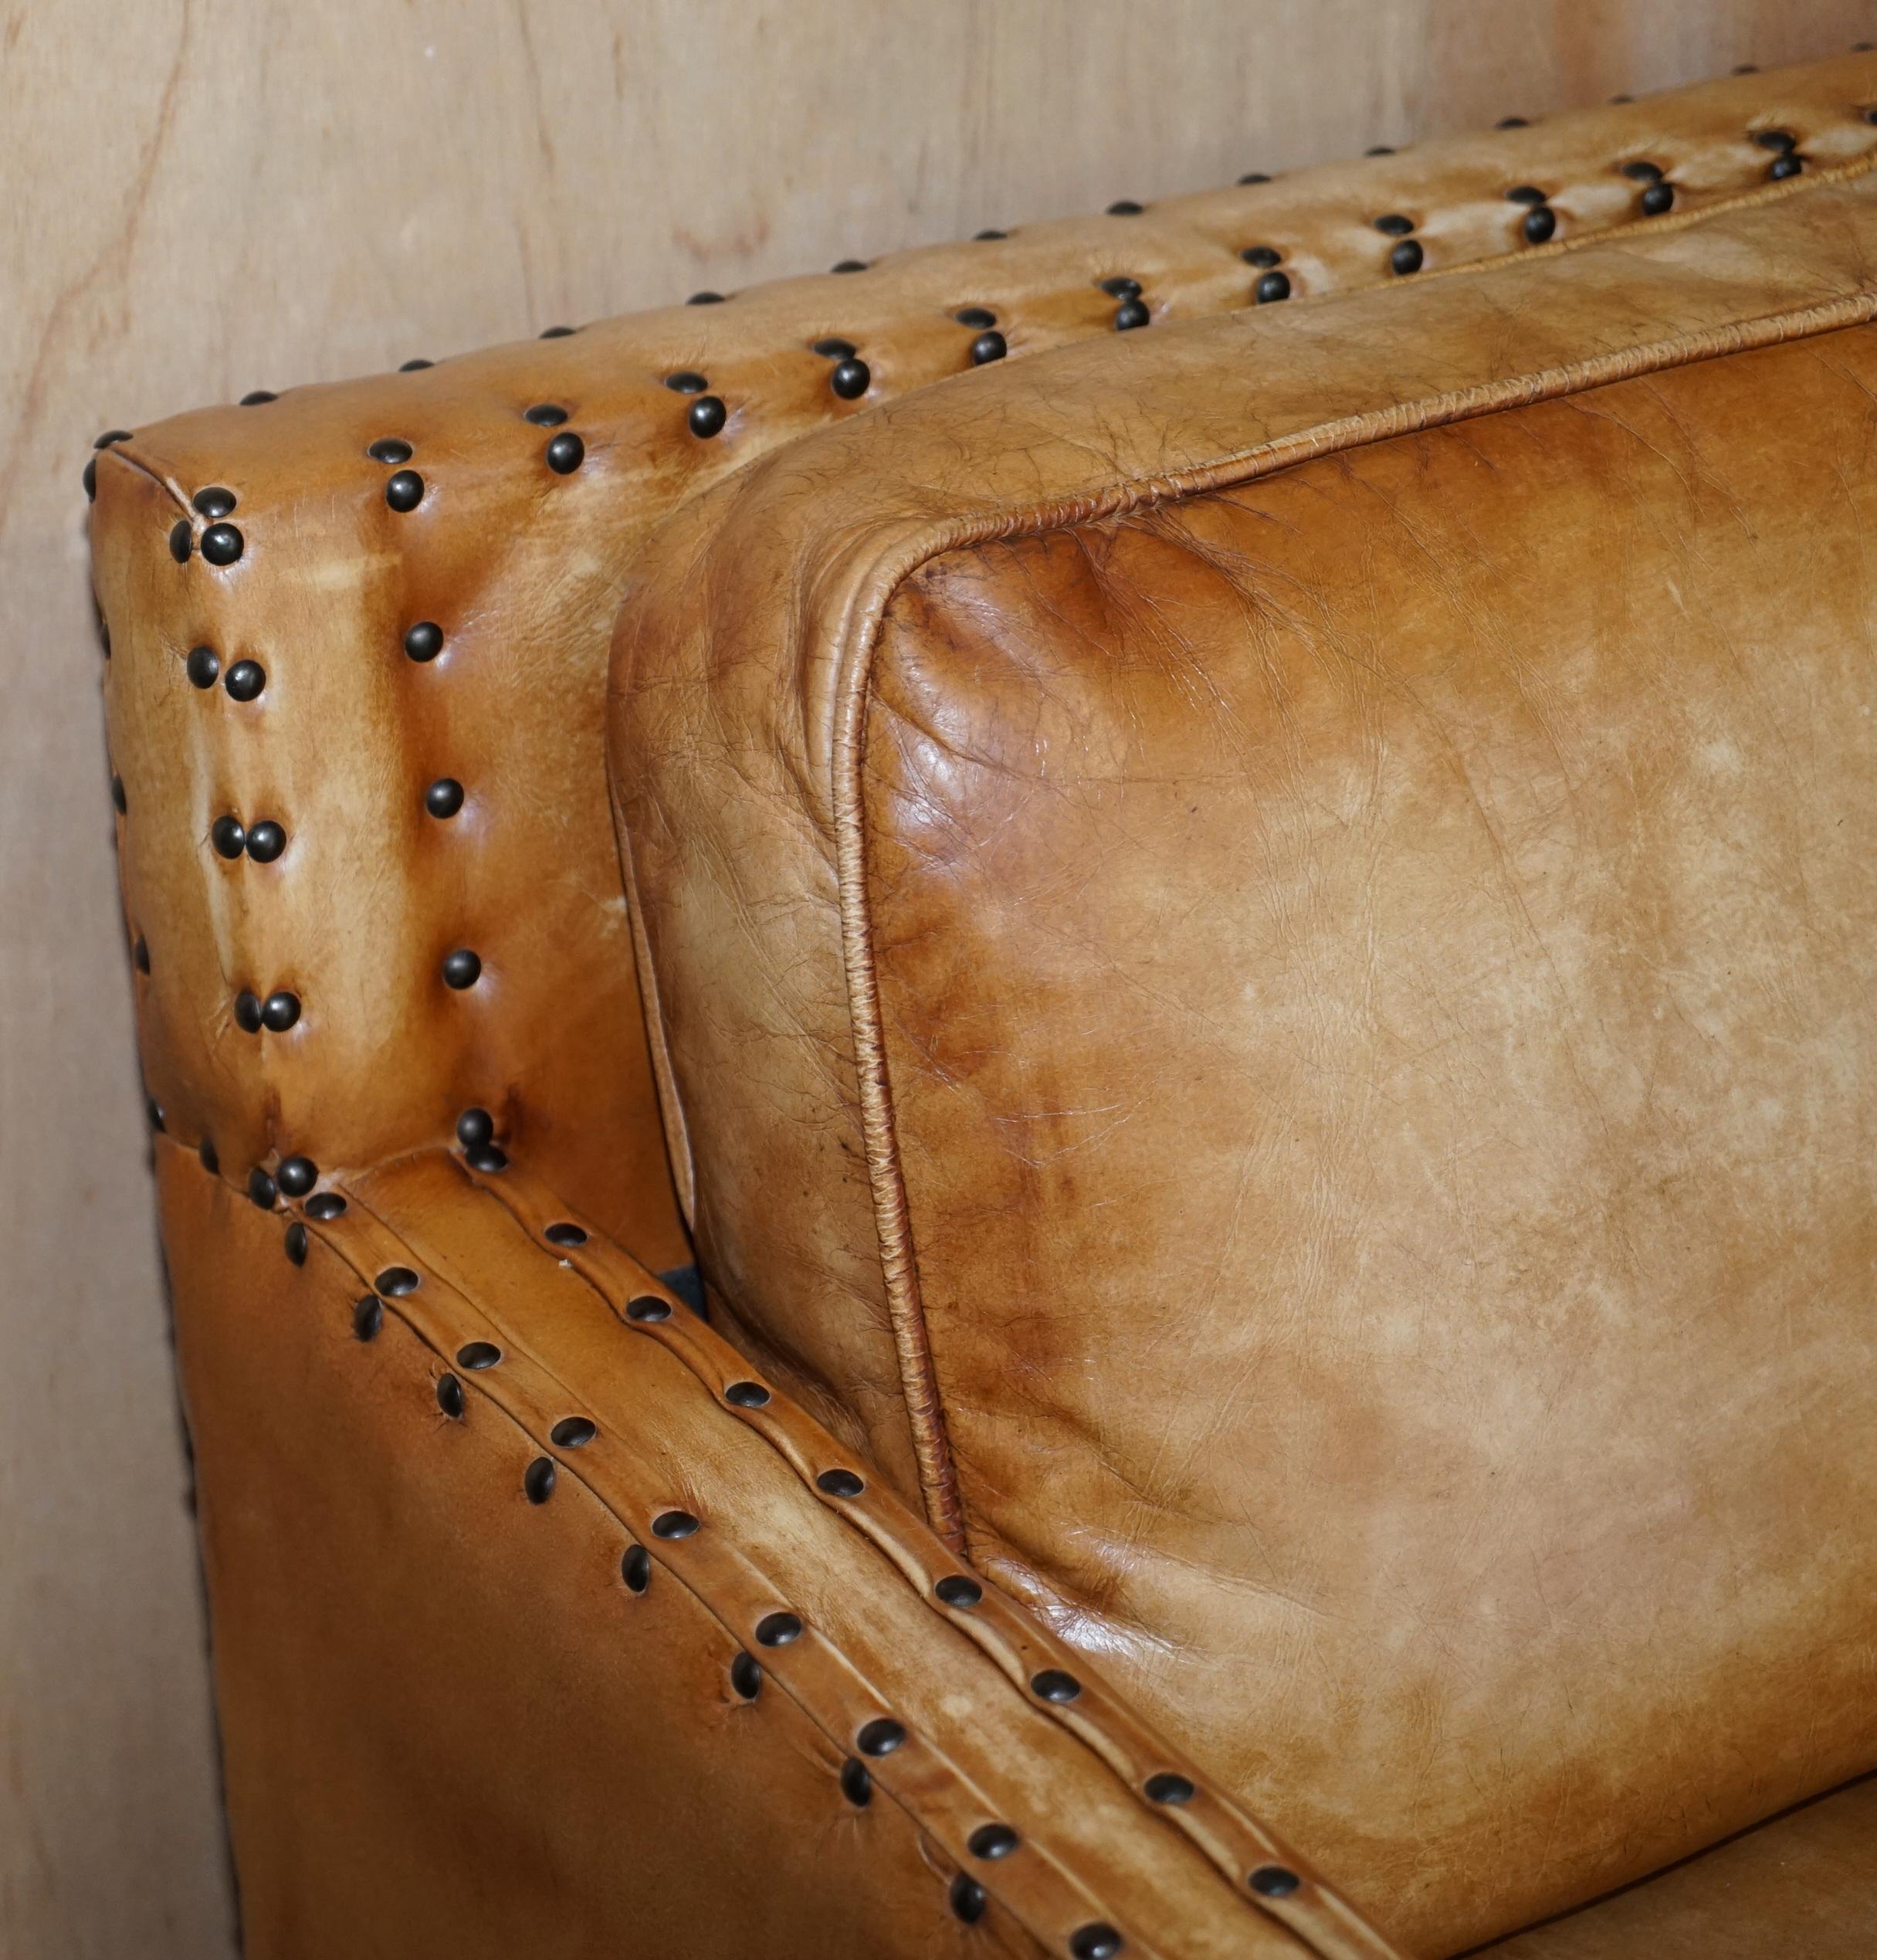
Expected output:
(522, 567)
(1286, 914)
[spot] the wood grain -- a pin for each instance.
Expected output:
(202, 198)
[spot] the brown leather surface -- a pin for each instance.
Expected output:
(521, 569)
(1327, 1019)
(450, 1727)
(1804, 1885)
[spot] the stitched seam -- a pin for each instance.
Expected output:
(857, 637)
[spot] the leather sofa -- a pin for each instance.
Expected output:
(1020, 1103)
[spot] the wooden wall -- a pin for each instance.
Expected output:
(200, 199)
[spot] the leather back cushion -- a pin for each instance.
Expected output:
(1321, 1022)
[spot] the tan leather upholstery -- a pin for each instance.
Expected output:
(1285, 965)
(1256, 940)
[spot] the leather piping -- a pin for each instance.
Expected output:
(852, 640)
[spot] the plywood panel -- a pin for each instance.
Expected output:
(202, 198)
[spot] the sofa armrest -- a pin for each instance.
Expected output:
(514, 1561)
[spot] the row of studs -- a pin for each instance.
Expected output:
(879, 1736)
(1221, 1831)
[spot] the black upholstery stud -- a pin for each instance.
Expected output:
(181, 542)
(1540, 222)
(777, 1629)
(704, 299)
(444, 797)
(746, 1394)
(851, 379)
(1264, 256)
(1274, 1881)
(967, 1900)
(256, 396)
(1380, 150)
(1782, 168)
(423, 641)
(472, 1356)
(556, 332)
(1406, 257)
(1394, 225)
(880, 1737)
(89, 477)
(708, 415)
(981, 238)
(368, 1317)
(1130, 314)
(1119, 286)
(993, 1841)
(1525, 194)
(462, 968)
(1169, 1786)
(297, 1176)
(215, 501)
(648, 1307)
(856, 1782)
(975, 317)
(261, 1189)
(841, 1484)
(280, 1010)
(573, 1432)
(488, 1159)
(1781, 139)
(746, 1676)
(450, 1398)
(565, 453)
(1125, 207)
(674, 1525)
(1255, 177)
(474, 1128)
(688, 381)
(325, 1204)
(266, 840)
(139, 954)
(296, 1242)
(247, 1011)
(415, 365)
(538, 1480)
(228, 836)
(1656, 199)
(404, 491)
(1096, 1940)
(397, 1281)
(564, 1234)
(956, 1589)
(545, 415)
(118, 799)
(1271, 286)
(1513, 122)
(389, 448)
(988, 347)
(244, 681)
(202, 666)
(849, 266)
(206, 1156)
(1641, 171)
(635, 1568)
(110, 436)
(1052, 1684)
(221, 543)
